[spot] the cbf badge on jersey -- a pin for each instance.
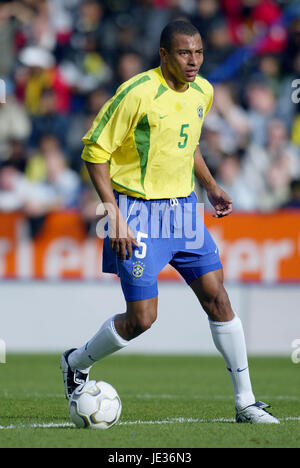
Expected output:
(138, 269)
(200, 112)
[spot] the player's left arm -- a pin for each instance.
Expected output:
(219, 199)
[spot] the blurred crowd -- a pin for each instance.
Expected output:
(62, 59)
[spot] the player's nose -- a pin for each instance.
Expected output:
(194, 60)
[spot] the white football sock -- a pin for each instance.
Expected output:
(105, 342)
(230, 342)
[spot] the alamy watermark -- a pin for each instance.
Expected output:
(295, 356)
(165, 219)
(296, 93)
(2, 92)
(2, 352)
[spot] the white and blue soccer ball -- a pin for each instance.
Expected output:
(95, 405)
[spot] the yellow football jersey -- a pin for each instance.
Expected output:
(148, 133)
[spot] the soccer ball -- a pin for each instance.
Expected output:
(95, 405)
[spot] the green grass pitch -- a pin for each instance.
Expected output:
(168, 402)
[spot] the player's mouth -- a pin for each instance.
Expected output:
(191, 73)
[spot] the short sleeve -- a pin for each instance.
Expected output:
(93, 153)
(115, 122)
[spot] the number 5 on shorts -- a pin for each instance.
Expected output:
(141, 253)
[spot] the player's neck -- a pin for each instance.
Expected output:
(173, 82)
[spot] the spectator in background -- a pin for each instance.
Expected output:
(91, 45)
(60, 180)
(233, 118)
(288, 105)
(218, 46)
(58, 190)
(147, 21)
(277, 184)
(36, 165)
(89, 67)
(14, 122)
(268, 167)
(293, 46)
(95, 100)
(62, 14)
(231, 178)
(129, 64)
(39, 73)
(14, 188)
(38, 30)
(207, 13)
(226, 127)
(279, 141)
(8, 29)
(89, 22)
(48, 121)
(294, 195)
(211, 144)
(269, 67)
(17, 154)
(49, 168)
(127, 38)
(262, 108)
(253, 19)
(265, 19)
(17, 23)
(81, 121)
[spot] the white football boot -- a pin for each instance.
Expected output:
(256, 414)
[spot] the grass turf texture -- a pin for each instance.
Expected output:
(160, 389)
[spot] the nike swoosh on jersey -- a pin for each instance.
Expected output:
(162, 116)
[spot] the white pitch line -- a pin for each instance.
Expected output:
(60, 425)
(164, 396)
(63, 425)
(291, 418)
(167, 396)
(175, 420)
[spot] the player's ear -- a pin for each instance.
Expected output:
(163, 54)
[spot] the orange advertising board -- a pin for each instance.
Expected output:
(259, 247)
(253, 247)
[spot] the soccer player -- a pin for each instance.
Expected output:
(142, 155)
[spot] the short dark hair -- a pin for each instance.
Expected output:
(176, 27)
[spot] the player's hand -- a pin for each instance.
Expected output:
(122, 239)
(221, 202)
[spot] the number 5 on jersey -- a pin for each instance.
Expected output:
(141, 253)
(184, 136)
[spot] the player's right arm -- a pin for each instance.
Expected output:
(110, 129)
(121, 236)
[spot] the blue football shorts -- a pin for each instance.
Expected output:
(169, 231)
